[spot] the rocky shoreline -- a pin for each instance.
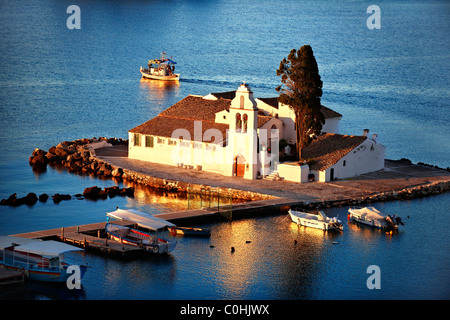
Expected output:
(77, 156)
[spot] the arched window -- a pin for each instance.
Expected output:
(245, 120)
(238, 122)
(242, 102)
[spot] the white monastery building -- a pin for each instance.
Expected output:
(234, 134)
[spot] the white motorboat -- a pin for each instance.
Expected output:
(318, 221)
(373, 217)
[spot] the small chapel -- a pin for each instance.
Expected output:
(237, 135)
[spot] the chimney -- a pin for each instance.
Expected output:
(375, 137)
(365, 132)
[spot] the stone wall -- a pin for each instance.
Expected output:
(413, 192)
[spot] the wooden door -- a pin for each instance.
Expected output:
(240, 165)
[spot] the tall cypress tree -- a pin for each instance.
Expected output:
(301, 89)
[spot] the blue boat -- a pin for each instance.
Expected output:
(39, 260)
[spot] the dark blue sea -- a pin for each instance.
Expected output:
(58, 84)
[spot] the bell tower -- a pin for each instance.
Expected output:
(243, 122)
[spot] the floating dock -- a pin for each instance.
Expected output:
(8, 276)
(90, 237)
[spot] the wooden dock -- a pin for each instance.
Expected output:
(90, 237)
(8, 276)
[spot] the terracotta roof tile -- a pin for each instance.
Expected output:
(197, 108)
(163, 126)
(225, 95)
(329, 148)
(183, 114)
(328, 113)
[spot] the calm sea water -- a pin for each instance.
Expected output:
(58, 84)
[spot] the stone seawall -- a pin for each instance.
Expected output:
(410, 193)
(180, 186)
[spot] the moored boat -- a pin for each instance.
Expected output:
(313, 220)
(151, 240)
(160, 69)
(189, 231)
(373, 217)
(39, 260)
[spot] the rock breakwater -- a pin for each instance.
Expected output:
(77, 156)
(92, 193)
(413, 192)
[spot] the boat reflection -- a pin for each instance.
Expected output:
(156, 89)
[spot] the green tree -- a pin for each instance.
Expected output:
(301, 89)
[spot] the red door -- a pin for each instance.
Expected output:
(240, 165)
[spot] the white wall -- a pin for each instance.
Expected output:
(331, 125)
(294, 173)
(367, 157)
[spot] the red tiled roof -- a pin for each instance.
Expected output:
(273, 102)
(225, 95)
(197, 108)
(164, 126)
(329, 148)
(183, 114)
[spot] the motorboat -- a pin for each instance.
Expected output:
(317, 220)
(160, 69)
(147, 233)
(40, 260)
(373, 217)
(189, 231)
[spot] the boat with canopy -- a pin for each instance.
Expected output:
(40, 260)
(160, 69)
(147, 233)
(373, 217)
(317, 220)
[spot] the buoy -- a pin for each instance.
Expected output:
(232, 249)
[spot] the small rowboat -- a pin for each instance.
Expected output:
(187, 231)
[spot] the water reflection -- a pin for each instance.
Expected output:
(154, 200)
(34, 290)
(159, 90)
